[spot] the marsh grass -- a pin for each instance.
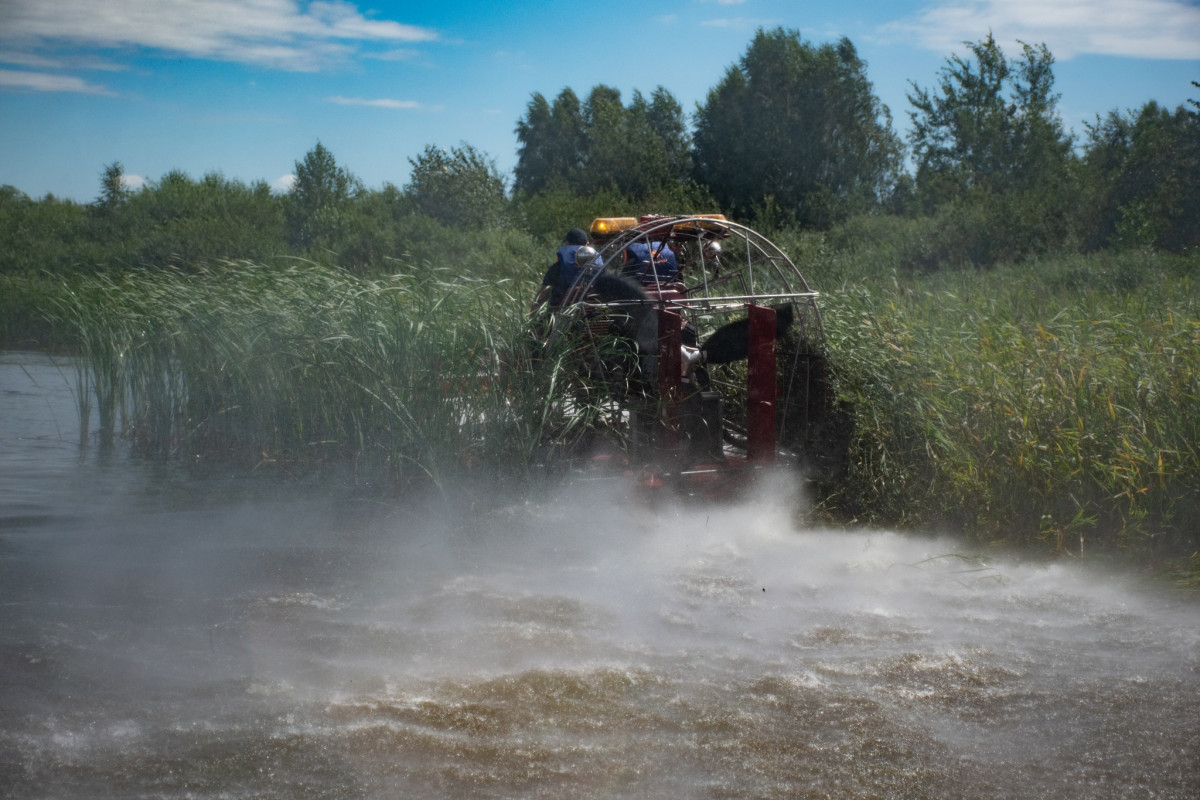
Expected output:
(1055, 403)
(1052, 403)
(422, 377)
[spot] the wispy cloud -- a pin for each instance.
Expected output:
(281, 34)
(1161, 29)
(381, 102)
(47, 82)
(35, 61)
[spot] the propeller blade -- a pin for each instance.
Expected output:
(731, 342)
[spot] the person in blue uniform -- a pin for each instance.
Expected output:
(650, 263)
(561, 275)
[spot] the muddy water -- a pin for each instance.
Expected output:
(163, 635)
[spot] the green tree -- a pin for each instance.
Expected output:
(112, 228)
(459, 187)
(1144, 169)
(181, 222)
(113, 191)
(552, 144)
(991, 126)
(639, 149)
(1105, 155)
(604, 143)
(796, 127)
(49, 235)
(994, 165)
(601, 145)
(666, 119)
(319, 200)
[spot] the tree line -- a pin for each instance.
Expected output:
(792, 136)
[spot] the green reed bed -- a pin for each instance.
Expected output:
(1051, 403)
(1055, 402)
(417, 377)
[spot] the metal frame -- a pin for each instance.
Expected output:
(759, 275)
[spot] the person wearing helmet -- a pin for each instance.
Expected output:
(571, 258)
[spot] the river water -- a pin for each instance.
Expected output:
(169, 636)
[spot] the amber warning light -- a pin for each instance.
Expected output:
(610, 226)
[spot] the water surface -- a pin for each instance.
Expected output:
(166, 635)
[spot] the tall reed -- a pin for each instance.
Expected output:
(1028, 403)
(1051, 403)
(424, 376)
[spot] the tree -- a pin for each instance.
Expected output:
(637, 149)
(796, 127)
(992, 126)
(49, 235)
(994, 165)
(457, 187)
(666, 119)
(183, 223)
(551, 140)
(601, 145)
(1105, 155)
(1145, 173)
(319, 199)
(113, 191)
(604, 144)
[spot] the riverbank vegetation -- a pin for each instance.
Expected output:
(419, 378)
(1049, 403)
(1012, 324)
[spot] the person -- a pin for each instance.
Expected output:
(561, 275)
(650, 262)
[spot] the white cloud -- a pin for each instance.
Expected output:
(1163, 29)
(381, 102)
(133, 182)
(283, 34)
(34, 61)
(46, 82)
(283, 184)
(29, 60)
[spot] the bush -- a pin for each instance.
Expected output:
(26, 302)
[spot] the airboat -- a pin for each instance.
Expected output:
(706, 345)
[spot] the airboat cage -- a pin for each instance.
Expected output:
(695, 412)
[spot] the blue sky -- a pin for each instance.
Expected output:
(247, 87)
